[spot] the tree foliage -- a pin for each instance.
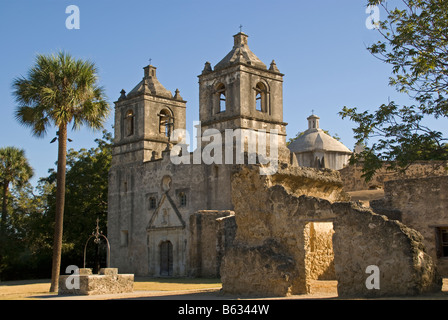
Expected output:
(31, 223)
(415, 44)
(15, 171)
(60, 90)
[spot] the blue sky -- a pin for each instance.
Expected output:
(320, 46)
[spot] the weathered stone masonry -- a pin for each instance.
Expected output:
(268, 256)
(422, 204)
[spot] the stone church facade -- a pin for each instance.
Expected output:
(155, 206)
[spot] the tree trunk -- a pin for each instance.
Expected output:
(3, 221)
(60, 200)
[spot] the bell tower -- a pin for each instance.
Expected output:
(144, 119)
(240, 92)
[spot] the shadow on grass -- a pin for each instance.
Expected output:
(24, 282)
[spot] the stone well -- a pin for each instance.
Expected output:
(108, 281)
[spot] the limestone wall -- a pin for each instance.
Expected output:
(363, 238)
(352, 180)
(296, 180)
(423, 205)
(269, 254)
(211, 233)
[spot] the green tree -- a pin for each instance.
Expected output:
(16, 171)
(28, 249)
(87, 190)
(86, 197)
(415, 43)
(58, 91)
(29, 241)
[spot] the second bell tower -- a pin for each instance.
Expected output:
(240, 92)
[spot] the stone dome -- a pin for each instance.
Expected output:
(316, 139)
(316, 149)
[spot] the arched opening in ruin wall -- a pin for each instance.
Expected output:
(273, 250)
(319, 257)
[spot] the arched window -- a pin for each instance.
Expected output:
(221, 94)
(260, 97)
(258, 106)
(129, 123)
(166, 122)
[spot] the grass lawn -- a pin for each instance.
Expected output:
(23, 289)
(27, 289)
(35, 289)
(172, 284)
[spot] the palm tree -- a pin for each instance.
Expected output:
(16, 171)
(60, 91)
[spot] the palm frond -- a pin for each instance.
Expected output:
(59, 89)
(14, 166)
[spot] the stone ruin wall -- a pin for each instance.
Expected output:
(363, 238)
(269, 254)
(421, 204)
(352, 175)
(211, 232)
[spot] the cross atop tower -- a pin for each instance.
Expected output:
(241, 28)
